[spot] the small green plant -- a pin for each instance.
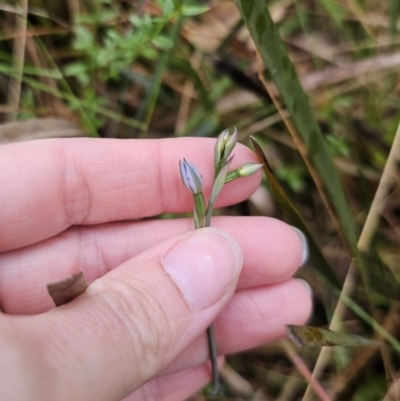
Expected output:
(106, 49)
(193, 181)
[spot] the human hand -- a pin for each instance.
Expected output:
(155, 286)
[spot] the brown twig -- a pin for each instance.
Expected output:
(303, 369)
(14, 89)
(187, 95)
(364, 242)
(361, 360)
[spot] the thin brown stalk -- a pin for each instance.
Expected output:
(364, 243)
(235, 381)
(351, 70)
(304, 371)
(393, 394)
(49, 100)
(73, 7)
(292, 386)
(261, 125)
(14, 89)
(358, 13)
(187, 95)
(361, 360)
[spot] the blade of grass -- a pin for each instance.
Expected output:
(74, 104)
(65, 86)
(273, 53)
(394, 11)
(146, 109)
(14, 90)
(304, 153)
(360, 312)
(293, 217)
(187, 94)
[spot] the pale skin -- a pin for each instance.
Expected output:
(75, 204)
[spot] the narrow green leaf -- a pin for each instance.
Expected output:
(163, 42)
(293, 217)
(147, 107)
(394, 12)
(362, 314)
(273, 53)
(335, 11)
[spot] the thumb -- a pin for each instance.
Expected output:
(132, 322)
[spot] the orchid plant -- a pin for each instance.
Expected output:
(202, 214)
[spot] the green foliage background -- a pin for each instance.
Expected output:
(152, 69)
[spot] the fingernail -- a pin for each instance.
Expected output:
(204, 266)
(304, 245)
(309, 289)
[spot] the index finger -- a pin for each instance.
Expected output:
(49, 185)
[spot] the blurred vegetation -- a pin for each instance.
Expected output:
(152, 69)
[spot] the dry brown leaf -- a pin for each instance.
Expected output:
(214, 26)
(67, 289)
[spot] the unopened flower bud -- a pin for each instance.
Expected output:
(244, 171)
(191, 178)
(249, 169)
(219, 147)
(230, 143)
(226, 141)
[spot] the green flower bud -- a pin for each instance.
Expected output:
(244, 171)
(219, 147)
(230, 143)
(249, 169)
(226, 141)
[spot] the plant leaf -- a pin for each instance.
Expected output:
(293, 217)
(273, 53)
(67, 289)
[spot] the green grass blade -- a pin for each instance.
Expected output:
(293, 217)
(147, 107)
(360, 312)
(101, 110)
(394, 12)
(275, 57)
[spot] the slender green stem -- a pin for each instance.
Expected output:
(209, 215)
(212, 346)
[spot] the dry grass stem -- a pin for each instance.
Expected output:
(236, 382)
(335, 75)
(303, 369)
(381, 194)
(14, 89)
(364, 242)
(187, 95)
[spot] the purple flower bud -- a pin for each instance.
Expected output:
(191, 178)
